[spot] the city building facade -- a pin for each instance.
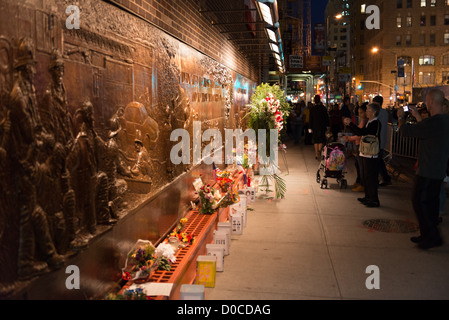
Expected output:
(410, 50)
(338, 30)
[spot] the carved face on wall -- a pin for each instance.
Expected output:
(57, 74)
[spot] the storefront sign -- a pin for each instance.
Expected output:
(296, 62)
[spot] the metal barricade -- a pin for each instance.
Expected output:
(397, 145)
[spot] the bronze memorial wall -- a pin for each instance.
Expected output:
(85, 121)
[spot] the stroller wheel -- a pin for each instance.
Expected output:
(344, 184)
(324, 184)
(318, 177)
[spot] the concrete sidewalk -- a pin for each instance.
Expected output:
(313, 244)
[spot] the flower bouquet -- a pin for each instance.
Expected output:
(140, 261)
(144, 258)
(208, 201)
(165, 256)
(181, 224)
(224, 180)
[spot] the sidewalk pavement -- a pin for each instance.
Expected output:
(313, 244)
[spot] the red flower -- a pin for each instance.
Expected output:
(126, 276)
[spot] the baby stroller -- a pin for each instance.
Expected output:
(333, 165)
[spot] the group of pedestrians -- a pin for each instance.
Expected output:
(299, 123)
(317, 123)
(372, 120)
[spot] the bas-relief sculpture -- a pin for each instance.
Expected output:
(72, 166)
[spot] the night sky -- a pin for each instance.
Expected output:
(318, 7)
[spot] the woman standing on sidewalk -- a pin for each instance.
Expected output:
(369, 168)
(358, 186)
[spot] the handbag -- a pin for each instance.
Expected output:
(369, 144)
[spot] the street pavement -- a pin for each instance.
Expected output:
(315, 244)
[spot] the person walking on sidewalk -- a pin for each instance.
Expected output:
(369, 166)
(383, 118)
(296, 118)
(306, 117)
(319, 124)
(433, 154)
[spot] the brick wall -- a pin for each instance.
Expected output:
(183, 20)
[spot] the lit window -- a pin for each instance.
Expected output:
(433, 3)
(423, 3)
(427, 77)
(398, 22)
(427, 60)
(409, 21)
(446, 38)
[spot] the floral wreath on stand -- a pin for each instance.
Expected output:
(268, 111)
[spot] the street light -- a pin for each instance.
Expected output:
(338, 17)
(342, 18)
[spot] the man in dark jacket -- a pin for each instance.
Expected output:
(319, 124)
(433, 153)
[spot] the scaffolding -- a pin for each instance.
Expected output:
(297, 25)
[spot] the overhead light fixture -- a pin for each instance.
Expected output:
(274, 48)
(269, 11)
(271, 35)
(266, 13)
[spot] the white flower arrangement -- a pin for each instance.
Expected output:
(165, 250)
